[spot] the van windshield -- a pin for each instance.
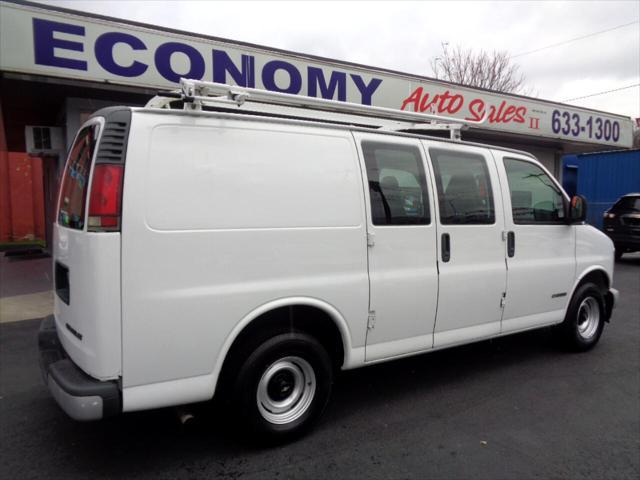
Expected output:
(73, 191)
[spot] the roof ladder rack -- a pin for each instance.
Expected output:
(197, 93)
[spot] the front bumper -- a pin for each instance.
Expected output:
(79, 395)
(611, 300)
(623, 237)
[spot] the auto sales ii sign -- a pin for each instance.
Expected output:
(45, 42)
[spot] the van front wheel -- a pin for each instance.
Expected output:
(283, 386)
(585, 318)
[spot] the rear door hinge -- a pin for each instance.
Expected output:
(503, 300)
(371, 320)
(504, 235)
(371, 239)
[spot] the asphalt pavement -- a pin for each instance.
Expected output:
(514, 408)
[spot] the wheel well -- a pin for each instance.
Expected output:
(598, 277)
(601, 279)
(301, 318)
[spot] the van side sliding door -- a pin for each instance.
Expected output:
(470, 222)
(540, 248)
(403, 273)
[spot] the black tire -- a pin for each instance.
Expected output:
(618, 253)
(272, 372)
(584, 321)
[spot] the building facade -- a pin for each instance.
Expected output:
(602, 178)
(57, 66)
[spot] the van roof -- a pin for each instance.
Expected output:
(301, 118)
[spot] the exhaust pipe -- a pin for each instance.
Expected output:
(185, 417)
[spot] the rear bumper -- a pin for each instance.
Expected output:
(79, 395)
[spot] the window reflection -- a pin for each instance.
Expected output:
(397, 184)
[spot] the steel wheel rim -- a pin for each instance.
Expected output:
(588, 317)
(285, 390)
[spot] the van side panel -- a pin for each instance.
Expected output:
(594, 251)
(222, 216)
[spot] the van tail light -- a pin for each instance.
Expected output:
(105, 202)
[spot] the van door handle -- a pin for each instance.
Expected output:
(511, 244)
(446, 247)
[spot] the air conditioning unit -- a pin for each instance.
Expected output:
(43, 139)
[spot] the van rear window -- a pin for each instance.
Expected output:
(73, 191)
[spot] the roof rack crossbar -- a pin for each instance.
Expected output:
(201, 90)
(196, 93)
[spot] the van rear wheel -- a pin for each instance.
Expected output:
(584, 322)
(283, 386)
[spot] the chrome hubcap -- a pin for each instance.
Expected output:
(588, 317)
(285, 390)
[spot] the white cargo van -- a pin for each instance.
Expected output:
(237, 249)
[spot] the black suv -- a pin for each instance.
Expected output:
(622, 224)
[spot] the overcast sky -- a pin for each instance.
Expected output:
(404, 36)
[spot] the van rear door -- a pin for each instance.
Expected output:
(86, 249)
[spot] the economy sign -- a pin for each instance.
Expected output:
(47, 42)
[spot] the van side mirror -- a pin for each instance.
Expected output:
(577, 209)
